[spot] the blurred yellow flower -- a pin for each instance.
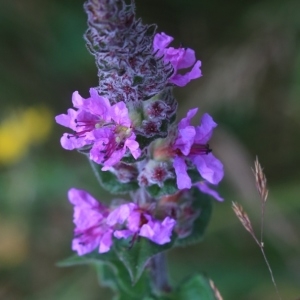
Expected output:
(22, 129)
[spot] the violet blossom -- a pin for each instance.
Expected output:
(91, 114)
(107, 129)
(112, 142)
(180, 58)
(190, 147)
(191, 144)
(89, 217)
(138, 221)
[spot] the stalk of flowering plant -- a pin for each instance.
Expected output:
(127, 130)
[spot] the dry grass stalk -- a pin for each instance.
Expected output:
(244, 219)
(216, 291)
(261, 180)
(261, 185)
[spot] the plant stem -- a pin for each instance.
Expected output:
(159, 273)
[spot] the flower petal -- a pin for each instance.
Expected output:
(160, 42)
(120, 214)
(183, 179)
(205, 130)
(119, 113)
(204, 188)
(106, 241)
(209, 167)
(182, 80)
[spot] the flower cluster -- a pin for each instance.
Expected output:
(128, 127)
(179, 58)
(106, 129)
(96, 224)
(190, 146)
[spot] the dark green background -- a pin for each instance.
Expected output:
(250, 52)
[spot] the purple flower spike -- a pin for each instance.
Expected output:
(191, 146)
(91, 230)
(181, 58)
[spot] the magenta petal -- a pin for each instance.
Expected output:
(123, 234)
(67, 142)
(114, 158)
(87, 210)
(67, 120)
(161, 41)
(133, 146)
(188, 59)
(82, 198)
(63, 120)
(119, 113)
(147, 232)
(106, 241)
(98, 105)
(205, 130)
(77, 100)
(182, 80)
(196, 71)
(204, 188)
(81, 248)
(133, 221)
(185, 139)
(209, 167)
(120, 214)
(183, 179)
(163, 235)
(184, 122)
(157, 231)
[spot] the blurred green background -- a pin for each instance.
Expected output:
(250, 52)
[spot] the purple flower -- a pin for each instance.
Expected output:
(205, 188)
(91, 230)
(107, 129)
(91, 113)
(191, 146)
(138, 221)
(112, 142)
(181, 58)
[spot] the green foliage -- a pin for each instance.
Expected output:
(169, 188)
(195, 287)
(112, 273)
(136, 258)
(203, 204)
(110, 182)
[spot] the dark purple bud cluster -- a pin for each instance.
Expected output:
(128, 69)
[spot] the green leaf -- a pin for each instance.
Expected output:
(136, 257)
(202, 203)
(195, 287)
(112, 273)
(110, 182)
(91, 258)
(115, 276)
(169, 188)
